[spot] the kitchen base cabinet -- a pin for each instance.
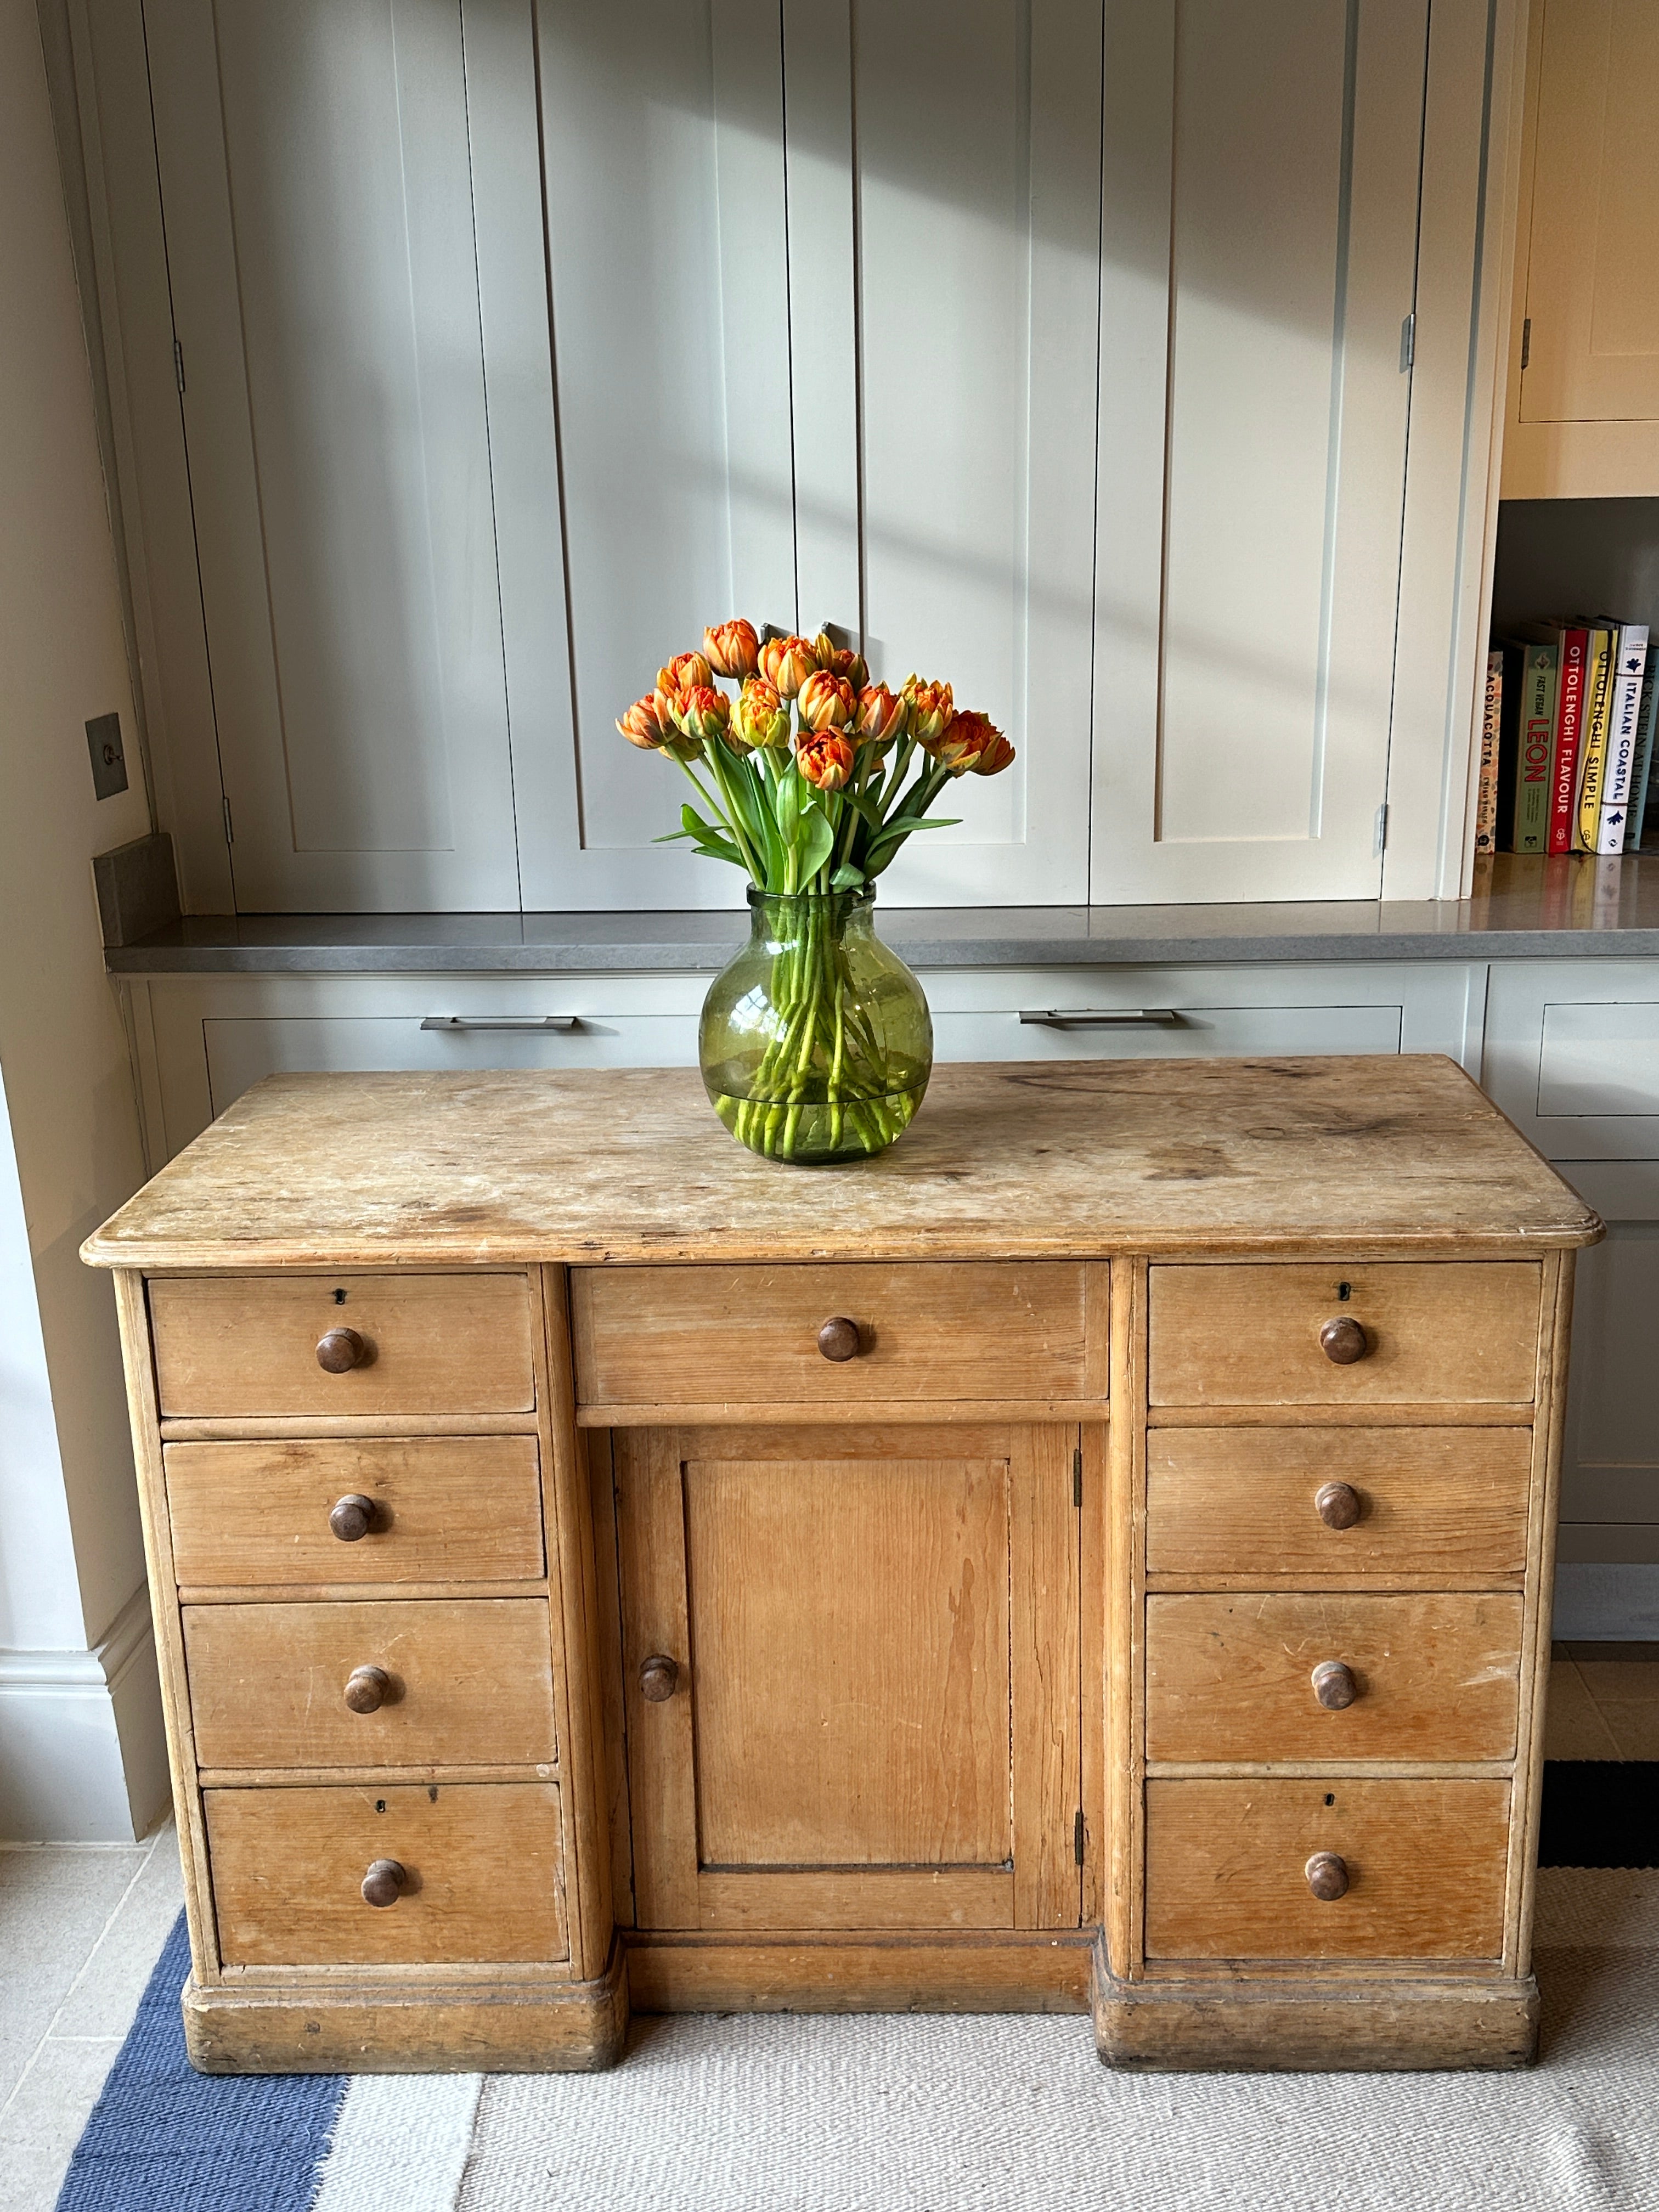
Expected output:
(1097, 1558)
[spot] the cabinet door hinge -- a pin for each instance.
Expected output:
(1077, 1836)
(230, 834)
(1408, 341)
(1526, 342)
(1380, 829)
(1076, 1475)
(179, 366)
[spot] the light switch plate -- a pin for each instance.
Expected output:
(109, 762)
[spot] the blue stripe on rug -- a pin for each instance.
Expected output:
(164, 2138)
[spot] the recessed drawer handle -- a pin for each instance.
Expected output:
(352, 1518)
(659, 1678)
(1337, 1504)
(340, 1350)
(384, 1882)
(541, 1025)
(1328, 1876)
(1333, 1685)
(367, 1688)
(1101, 1017)
(1343, 1341)
(839, 1338)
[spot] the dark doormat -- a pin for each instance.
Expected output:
(1600, 1813)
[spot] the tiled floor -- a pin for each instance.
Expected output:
(81, 1927)
(82, 1924)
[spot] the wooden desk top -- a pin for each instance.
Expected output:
(1012, 1161)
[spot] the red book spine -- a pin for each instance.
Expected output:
(1568, 715)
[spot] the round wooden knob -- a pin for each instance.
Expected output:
(1328, 1876)
(839, 1338)
(340, 1350)
(367, 1688)
(1334, 1685)
(659, 1678)
(1337, 1504)
(1343, 1341)
(352, 1517)
(384, 1882)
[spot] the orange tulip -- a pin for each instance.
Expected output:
(759, 717)
(827, 701)
(881, 717)
(702, 711)
(931, 708)
(840, 660)
(685, 670)
(785, 663)
(826, 758)
(994, 756)
(731, 648)
(964, 737)
(647, 722)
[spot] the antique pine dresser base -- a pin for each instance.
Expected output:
(1095, 1557)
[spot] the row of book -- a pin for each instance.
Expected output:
(1567, 748)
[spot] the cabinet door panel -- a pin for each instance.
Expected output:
(875, 1721)
(1260, 224)
(317, 202)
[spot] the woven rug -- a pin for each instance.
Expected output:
(923, 2114)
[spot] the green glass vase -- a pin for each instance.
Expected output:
(816, 1043)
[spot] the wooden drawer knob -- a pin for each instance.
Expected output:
(340, 1350)
(1333, 1685)
(1328, 1876)
(1337, 1504)
(659, 1678)
(352, 1517)
(367, 1688)
(839, 1338)
(1343, 1341)
(384, 1882)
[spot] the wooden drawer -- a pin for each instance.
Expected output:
(1445, 1506)
(1226, 1869)
(749, 1336)
(483, 1875)
(447, 1509)
(1451, 1331)
(469, 1683)
(241, 1345)
(1230, 1677)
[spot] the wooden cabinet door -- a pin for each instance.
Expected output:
(314, 177)
(1261, 202)
(875, 1716)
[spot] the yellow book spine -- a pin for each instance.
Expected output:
(1593, 753)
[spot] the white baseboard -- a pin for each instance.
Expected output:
(82, 1754)
(1606, 1604)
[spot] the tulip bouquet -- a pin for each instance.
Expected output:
(811, 778)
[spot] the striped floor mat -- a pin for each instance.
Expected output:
(897, 2114)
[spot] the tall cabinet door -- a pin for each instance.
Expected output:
(1258, 264)
(317, 205)
(852, 1681)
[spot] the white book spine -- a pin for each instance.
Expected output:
(1639, 797)
(1624, 699)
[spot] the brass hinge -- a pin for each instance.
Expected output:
(1076, 1475)
(1526, 342)
(230, 831)
(1077, 1836)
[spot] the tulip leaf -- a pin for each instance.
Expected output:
(817, 843)
(846, 878)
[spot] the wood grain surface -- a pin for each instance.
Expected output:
(470, 1683)
(1010, 1161)
(460, 1510)
(1230, 1677)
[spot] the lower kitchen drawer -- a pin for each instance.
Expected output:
(1231, 1868)
(1239, 1676)
(433, 1682)
(474, 1873)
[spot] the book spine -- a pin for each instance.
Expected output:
(1641, 782)
(1593, 744)
(1485, 804)
(1566, 744)
(1624, 701)
(1530, 831)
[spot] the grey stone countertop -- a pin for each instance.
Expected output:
(1522, 909)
